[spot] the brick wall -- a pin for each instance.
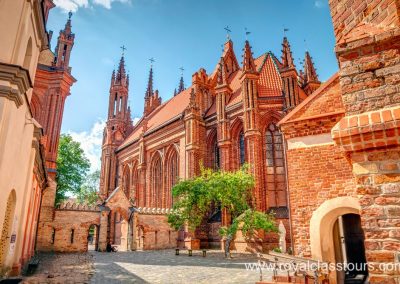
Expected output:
(157, 232)
(316, 174)
(64, 221)
(368, 49)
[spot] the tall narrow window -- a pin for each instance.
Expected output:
(276, 183)
(157, 182)
(216, 156)
(173, 175)
(126, 183)
(53, 235)
(72, 235)
(242, 152)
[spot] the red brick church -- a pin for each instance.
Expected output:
(225, 118)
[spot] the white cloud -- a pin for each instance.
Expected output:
(74, 5)
(319, 3)
(91, 143)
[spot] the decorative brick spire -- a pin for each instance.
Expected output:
(248, 60)
(181, 85)
(65, 42)
(222, 80)
(310, 73)
(121, 77)
(287, 58)
(149, 91)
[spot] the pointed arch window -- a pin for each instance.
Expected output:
(156, 181)
(275, 164)
(173, 175)
(126, 183)
(242, 151)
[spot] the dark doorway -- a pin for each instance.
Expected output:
(352, 249)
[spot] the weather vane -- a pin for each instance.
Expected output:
(182, 69)
(228, 31)
(123, 50)
(152, 60)
(69, 15)
(247, 32)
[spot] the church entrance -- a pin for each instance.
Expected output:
(349, 249)
(6, 234)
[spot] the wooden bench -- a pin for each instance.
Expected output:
(190, 251)
(320, 275)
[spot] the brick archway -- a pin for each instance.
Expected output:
(322, 225)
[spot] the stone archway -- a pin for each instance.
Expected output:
(6, 237)
(323, 228)
(93, 237)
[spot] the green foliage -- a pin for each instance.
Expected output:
(72, 167)
(278, 250)
(232, 190)
(89, 189)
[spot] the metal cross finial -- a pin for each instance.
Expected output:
(152, 60)
(182, 69)
(305, 44)
(69, 15)
(228, 31)
(284, 31)
(123, 50)
(247, 32)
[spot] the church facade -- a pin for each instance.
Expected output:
(224, 119)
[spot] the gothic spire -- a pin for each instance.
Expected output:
(121, 74)
(287, 58)
(310, 73)
(181, 87)
(68, 24)
(149, 91)
(222, 80)
(248, 60)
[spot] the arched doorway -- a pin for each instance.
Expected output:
(93, 238)
(6, 233)
(336, 236)
(140, 237)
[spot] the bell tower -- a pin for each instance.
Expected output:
(118, 127)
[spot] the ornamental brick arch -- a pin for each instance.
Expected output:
(7, 230)
(171, 170)
(212, 160)
(238, 149)
(156, 181)
(126, 180)
(135, 195)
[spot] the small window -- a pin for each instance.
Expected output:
(53, 236)
(72, 235)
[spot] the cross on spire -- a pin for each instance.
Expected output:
(246, 32)
(123, 50)
(182, 69)
(228, 31)
(69, 15)
(284, 31)
(152, 60)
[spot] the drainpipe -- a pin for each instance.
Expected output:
(288, 194)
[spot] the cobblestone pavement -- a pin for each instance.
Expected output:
(165, 267)
(63, 268)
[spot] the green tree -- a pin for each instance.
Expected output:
(231, 190)
(72, 167)
(89, 189)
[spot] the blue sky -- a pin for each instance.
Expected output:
(176, 33)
